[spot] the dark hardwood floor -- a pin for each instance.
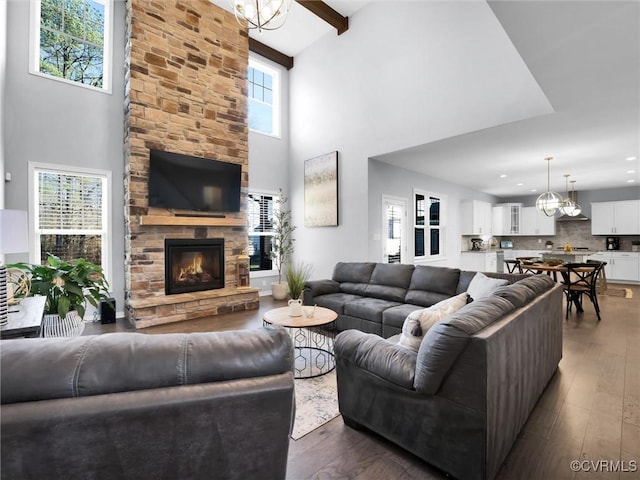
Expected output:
(589, 411)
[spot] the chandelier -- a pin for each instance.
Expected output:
(261, 14)
(549, 202)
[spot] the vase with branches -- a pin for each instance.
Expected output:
(281, 242)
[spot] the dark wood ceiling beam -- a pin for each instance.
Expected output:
(326, 13)
(270, 53)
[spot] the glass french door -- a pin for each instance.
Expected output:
(394, 229)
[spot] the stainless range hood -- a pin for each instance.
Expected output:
(577, 218)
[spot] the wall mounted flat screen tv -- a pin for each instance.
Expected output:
(193, 183)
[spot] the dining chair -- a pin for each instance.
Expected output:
(601, 284)
(580, 279)
(513, 265)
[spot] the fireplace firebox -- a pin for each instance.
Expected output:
(193, 265)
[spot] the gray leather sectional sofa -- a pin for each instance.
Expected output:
(136, 406)
(461, 400)
(377, 297)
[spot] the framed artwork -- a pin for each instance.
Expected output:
(321, 191)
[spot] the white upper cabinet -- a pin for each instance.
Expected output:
(619, 218)
(506, 219)
(476, 217)
(536, 223)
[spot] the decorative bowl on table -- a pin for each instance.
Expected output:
(554, 262)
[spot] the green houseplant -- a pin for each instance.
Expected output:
(281, 243)
(297, 274)
(68, 286)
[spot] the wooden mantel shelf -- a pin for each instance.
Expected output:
(191, 221)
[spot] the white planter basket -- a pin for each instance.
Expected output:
(70, 326)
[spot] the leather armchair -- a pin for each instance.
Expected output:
(137, 406)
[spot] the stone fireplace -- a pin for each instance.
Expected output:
(185, 93)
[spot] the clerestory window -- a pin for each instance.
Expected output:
(264, 98)
(71, 41)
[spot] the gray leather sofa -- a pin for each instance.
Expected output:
(136, 406)
(377, 297)
(461, 400)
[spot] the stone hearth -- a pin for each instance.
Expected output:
(186, 93)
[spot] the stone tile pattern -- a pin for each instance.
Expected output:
(185, 93)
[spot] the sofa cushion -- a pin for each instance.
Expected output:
(443, 343)
(482, 286)
(359, 289)
(336, 301)
(390, 281)
(431, 285)
(353, 272)
(516, 293)
(426, 318)
(395, 316)
(537, 283)
(368, 308)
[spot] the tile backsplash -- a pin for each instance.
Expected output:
(577, 233)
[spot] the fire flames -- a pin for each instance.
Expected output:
(192, 271)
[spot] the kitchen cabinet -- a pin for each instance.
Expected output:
(621, 266)
(619, 218)
(535, 223)
(479, 261)
(506, 219)
(476, 217)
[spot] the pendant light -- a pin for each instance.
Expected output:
(568, 204)
(549, 202)
(577, 209)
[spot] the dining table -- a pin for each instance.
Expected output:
(552, 270)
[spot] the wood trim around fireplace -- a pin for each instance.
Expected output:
(191, 221)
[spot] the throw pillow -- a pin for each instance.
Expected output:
(418, 323)
(483, 286)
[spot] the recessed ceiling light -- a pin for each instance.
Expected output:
(631, 171)
(534, 190)
(503, 176)
(630, 181)
(631, 158)
(520, 184)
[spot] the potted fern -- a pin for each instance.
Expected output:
(281, 244)
(68, 287)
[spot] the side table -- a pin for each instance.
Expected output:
(25, 318)
(312, 338)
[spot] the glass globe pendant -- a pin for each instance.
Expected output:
(577, 209)
(568, 206)
(549, 202)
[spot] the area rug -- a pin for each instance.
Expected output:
(618, 292)
(316, 403)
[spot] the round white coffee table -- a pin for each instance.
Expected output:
(312, 338)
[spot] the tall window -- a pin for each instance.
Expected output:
(264, 98)
(71, 41)
(428, 225)
(70, 214)
(260, 210)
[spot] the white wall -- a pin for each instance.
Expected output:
(52, 122)
(3, 71)
(404, 74)
(385, 179)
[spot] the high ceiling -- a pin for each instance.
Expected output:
(584, 55)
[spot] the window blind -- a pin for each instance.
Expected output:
(69, 202)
